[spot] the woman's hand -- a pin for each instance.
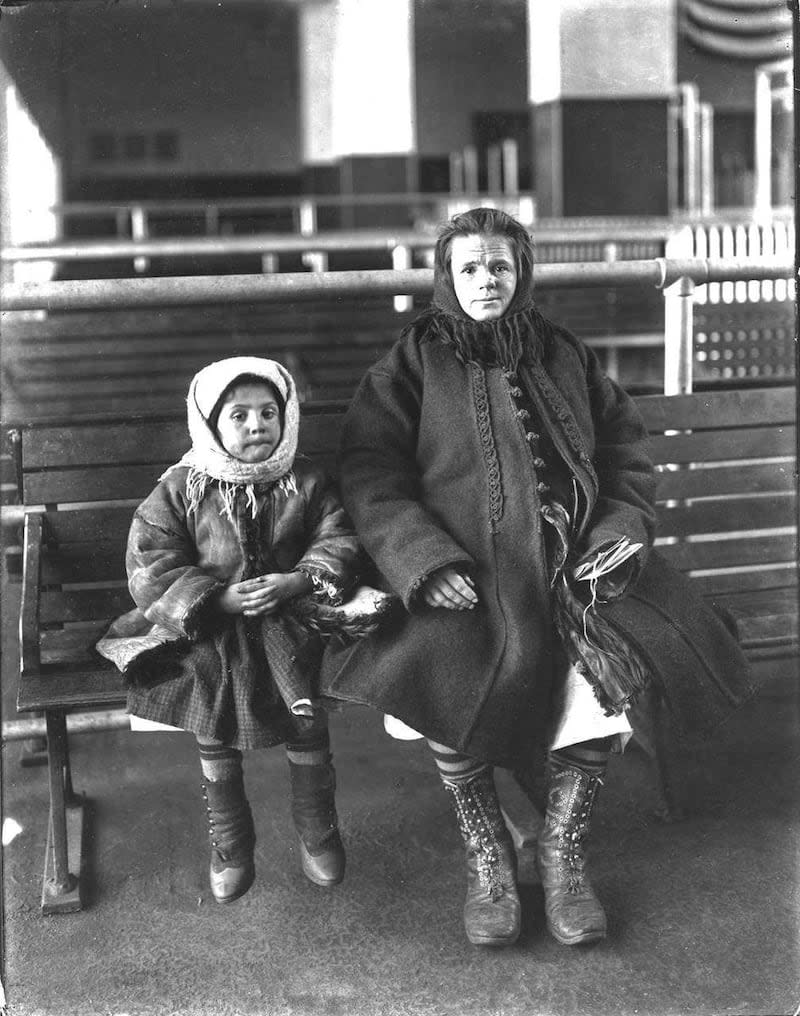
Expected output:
(263, 595)
(448, 588)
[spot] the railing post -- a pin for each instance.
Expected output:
(610, 254)
(122, 219)
(706, 114)
(401, 259)
(763, 143)
(308, 217)
(212, 220)
(139, 233)
(510, 151)
(673, 159)
(494, 169)
(691, 155)
(456, 173)
(678, 336)
(316, 260)
(471, 180)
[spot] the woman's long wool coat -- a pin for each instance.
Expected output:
(436, 468)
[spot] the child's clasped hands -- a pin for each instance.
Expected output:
(263, 594)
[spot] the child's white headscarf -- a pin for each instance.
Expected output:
(208, 460)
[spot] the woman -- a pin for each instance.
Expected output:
(486, 460)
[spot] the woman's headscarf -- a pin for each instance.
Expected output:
(209, 461)
(522, 333)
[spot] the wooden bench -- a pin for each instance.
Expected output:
(727, 515)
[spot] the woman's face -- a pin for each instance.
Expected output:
(249, 425)
(484, 275)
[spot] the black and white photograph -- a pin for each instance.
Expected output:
(398, 508)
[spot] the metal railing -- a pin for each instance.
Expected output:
(676, 277)
(136, 218)
(603, 241)
(607, 240)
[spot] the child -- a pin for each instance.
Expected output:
(221, 556)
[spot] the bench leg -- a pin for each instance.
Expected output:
(61, 891)
(523, 820)
(34, 751)
(650, 721)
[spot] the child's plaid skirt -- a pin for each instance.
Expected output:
(236, 686)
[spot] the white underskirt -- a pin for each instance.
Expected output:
(139, 723)
(581, 718)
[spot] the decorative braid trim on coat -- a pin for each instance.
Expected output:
(480, 395)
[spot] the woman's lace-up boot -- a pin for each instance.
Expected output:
(313, 787)
(574, 914)
(232, 835)
(492, 907)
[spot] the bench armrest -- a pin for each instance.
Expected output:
(30, 658)
(15, 441)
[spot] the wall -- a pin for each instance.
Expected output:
(471, 57)
(577, 48)
(221, 83)
(726, 83)
(31, 49)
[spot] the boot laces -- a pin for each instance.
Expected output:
(572, 836)
(477, 824)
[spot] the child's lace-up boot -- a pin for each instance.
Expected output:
(313, 789)
(492, 907)
(574, 913)
(232, 835)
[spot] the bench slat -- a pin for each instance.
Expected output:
(751, 550)
(754, 477)
(58, 688)
(220, 320)
(767, 616)
(360, 342)
(84, 562)
(72, 646)
(761, 603)
(717, 410)
(142, 441)
(161, 441)
(99, 483)
(84, 605)
(717, 584)
(728, 515)
(107, 524)
(778, 628)
(722, 445)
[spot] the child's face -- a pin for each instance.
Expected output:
(249, 425)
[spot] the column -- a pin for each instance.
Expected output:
(357, 103)
(30, 183)
(600, 79)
